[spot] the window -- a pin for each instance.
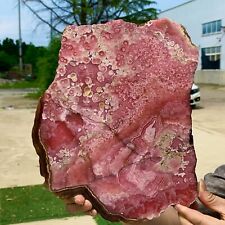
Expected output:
(211, 27)
(211, 58)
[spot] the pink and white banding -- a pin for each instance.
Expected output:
(116, 120)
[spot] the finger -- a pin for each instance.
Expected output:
(79, 199)
(194, 216)
(71, 208)
(68, 200)
(210, 200)
(93, 213)
(87, 205)
(183, 221)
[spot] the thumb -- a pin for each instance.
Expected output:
(211, 201)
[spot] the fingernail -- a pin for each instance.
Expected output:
(79, 199)
(178, 207)
(94, 213)
(87, 203)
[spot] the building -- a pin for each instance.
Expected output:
(204, 20)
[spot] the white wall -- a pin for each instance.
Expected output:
(192, 15)
(210, 77)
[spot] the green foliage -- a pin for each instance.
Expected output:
(3, 75)
(32, 54)
(91, 12)
(82, 12)
(46, 65)
(6, 61)
(43, 60)
(142, 16)
(9, 46)
(9, 55)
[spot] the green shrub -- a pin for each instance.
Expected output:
(46, 65)
(6, 61)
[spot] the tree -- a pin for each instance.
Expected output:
(46, 64)
(9, 46)
(8, 54)
(6, 61)
(80, 12)
(32, 53)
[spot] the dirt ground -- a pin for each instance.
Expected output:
(19, 162)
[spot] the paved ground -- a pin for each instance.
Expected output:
(19, 164)
(84, 220)
(209, 129)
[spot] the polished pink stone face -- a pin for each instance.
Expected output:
(116, 119)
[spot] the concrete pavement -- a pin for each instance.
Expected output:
(83, 220)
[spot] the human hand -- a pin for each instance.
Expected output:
(189, 216)
(80, 204)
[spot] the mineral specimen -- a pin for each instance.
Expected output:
(115, 124)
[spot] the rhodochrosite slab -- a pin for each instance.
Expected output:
(115, 124)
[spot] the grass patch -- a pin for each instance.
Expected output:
(100, 221)
(30, 203)
(33, 203)
(23, 84)
(34, 95)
